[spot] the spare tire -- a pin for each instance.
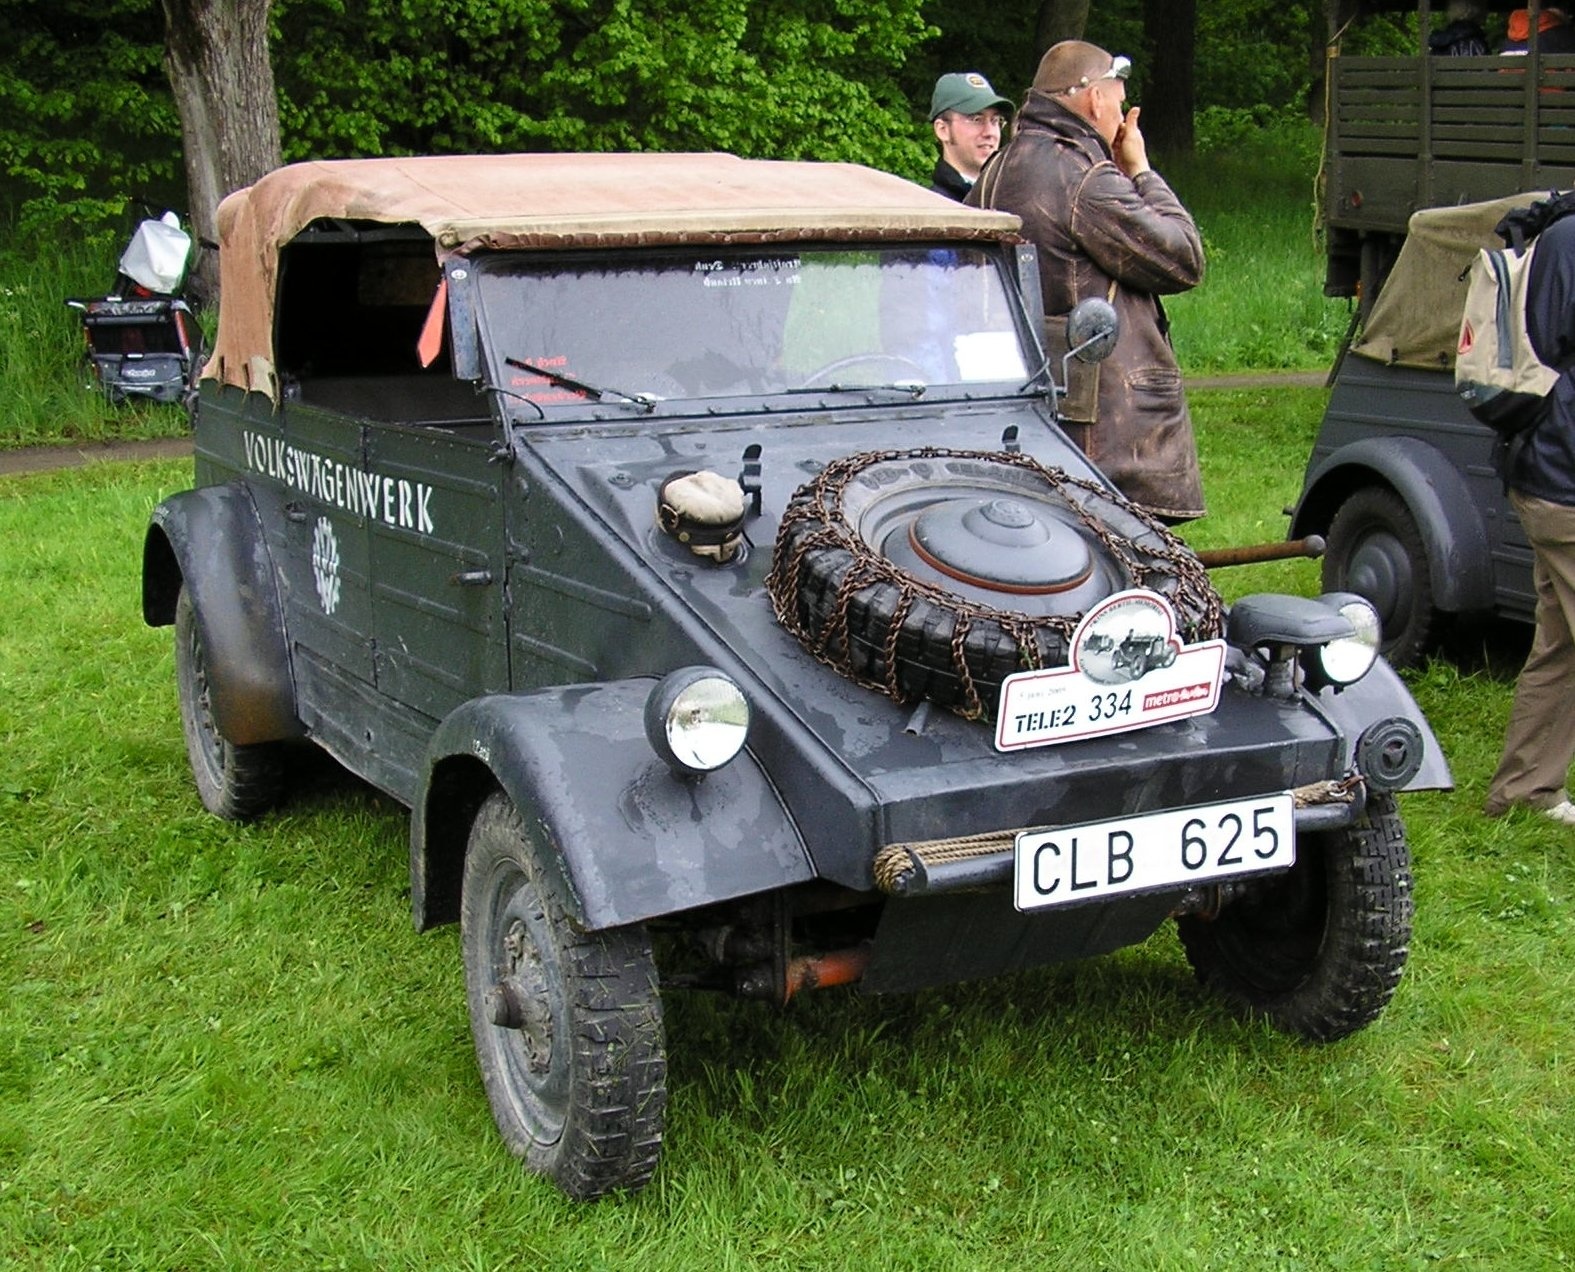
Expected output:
(935, 574)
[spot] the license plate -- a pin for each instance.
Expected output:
(1177, 847)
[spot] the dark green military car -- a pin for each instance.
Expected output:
(689, 542)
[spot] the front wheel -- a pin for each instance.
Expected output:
(1375, 549)
(1317, 951)
(567, 1023)
(235, 782)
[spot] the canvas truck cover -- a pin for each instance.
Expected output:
(1415, 321)
(469, 203)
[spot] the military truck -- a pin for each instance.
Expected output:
(1423, 131)
(1402, 481)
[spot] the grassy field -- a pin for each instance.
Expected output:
(223, 1046)
(47, 397)
(1261, 305)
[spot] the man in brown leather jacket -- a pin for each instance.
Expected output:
(1106, 224)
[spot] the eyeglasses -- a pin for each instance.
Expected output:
(1120, 68)
(984, 119)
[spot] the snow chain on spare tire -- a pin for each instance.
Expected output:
(883, 628)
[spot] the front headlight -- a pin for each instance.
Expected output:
(696, 720)
(1347, 659)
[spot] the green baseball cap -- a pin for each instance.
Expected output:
(967, 92)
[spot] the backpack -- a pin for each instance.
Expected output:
(1497, 373)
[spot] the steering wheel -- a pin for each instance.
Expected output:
(906, 368)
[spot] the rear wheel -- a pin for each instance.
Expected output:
(1376, 550)
(567, 1023)
(235, 782)
(1318, 951)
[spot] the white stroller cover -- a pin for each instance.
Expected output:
(157, 254)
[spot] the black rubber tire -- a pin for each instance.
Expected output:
(1317, 951)
(237, 783)
(1375, 549)
(579, 1088)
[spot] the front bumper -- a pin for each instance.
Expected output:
(980, 861)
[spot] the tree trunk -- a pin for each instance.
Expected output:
(216, 55)
(1170, 32)
(1059, 20)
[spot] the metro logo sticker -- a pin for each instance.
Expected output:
(1126, 638)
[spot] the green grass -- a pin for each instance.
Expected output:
(1260, 306)
(48, 398)
(224, 1046)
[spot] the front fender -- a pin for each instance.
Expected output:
(210, 541)
(630, 840)
(1382, 695)
(1459, 556)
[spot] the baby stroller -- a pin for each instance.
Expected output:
(142, 340)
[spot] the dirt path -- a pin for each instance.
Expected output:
(44, 459)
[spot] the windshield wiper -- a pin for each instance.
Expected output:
(913, 388)
(644, 401)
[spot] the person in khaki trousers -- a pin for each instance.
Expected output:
(1539, 744)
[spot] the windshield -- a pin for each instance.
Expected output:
(692, 324)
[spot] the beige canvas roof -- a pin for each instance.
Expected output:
(1416, 319)
(533, 201)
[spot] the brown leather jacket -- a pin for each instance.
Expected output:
(1101, 233)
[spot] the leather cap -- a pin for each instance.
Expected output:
(1071, 64)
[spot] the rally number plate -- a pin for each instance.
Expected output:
(1177, 847)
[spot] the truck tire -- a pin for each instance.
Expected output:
(567, 1023)
(1376, 550)
(236, 783)
(1317, 951)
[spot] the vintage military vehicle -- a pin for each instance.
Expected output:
(690, 544)
(1403, 482)
(1416, 130)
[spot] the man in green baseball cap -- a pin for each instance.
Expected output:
(968, 116)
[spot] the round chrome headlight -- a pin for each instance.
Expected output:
(696, 720)
(1347, 659)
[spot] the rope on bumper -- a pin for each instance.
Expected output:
(895, 862)
(1334, 791)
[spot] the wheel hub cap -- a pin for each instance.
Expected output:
(518, 999)
(1002, 545)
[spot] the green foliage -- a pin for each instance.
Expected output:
(90, 120)
(86, 118)
(800, 79)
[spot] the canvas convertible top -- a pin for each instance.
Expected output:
(534, 201)
(1416, 319)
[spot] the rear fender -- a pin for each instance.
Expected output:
(1459, 555)
(210, 541)
(630, 841)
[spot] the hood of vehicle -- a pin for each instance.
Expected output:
(907, 761)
